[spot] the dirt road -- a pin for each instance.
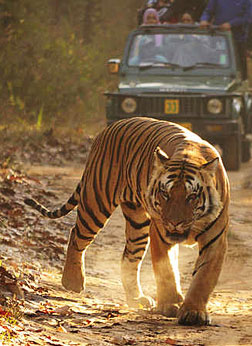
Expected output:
(100, 315)
(53, 316)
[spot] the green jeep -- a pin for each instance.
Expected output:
(190, 76)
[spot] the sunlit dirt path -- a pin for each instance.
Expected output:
(100, 315)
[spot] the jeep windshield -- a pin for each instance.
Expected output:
(185, 51)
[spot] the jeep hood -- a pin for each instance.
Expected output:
(176, 84)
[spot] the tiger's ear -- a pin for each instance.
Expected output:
(211, 166)
(161, 158)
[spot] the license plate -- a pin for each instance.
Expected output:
(171, 107)
(188, 126)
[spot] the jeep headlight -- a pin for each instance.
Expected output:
(129, 105)
(214, 106)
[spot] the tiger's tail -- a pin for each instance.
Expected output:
(60, 212)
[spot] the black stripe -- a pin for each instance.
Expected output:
(152, 149)
(52, 214)
(55, 214)
(136, 259)
(134, 139)
(142, 243)
(130, 205)
(169, 181)
(210, 207)
(100, 170)
(115, 145)
(189, 177)
(136, 225)
(133, 158)
(89, 211)
(190, 170)
(107, 184)
(98, 199)
(210, 225)
(101, 206)
(78, 189)
(202, 177)
(80, 236)
(173, 169)
(204, 197)
(172, 176)
(139, 238)
(147, 151)
(101, 153)
(115, 204)
(118, 146)
(114, 139)
(131, 194)
(63, 210)
(179, 136)
(146, 146)
(72, 200)
(173, 132)
(138, 180)
(160, 236)
(187, 166)
(85, 224)
(202, 208)
(197, 269)
(125, 194)
(135, 251)
(211, 241)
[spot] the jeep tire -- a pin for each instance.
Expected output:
(246, 154)
(232, 153)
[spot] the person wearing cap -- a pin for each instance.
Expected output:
(140, 12)
(150, 17)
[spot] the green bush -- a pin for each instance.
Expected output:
(53, 57)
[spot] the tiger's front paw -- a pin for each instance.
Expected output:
(169, 310)
(141, 302)
(192, 317)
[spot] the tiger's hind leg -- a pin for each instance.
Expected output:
(137, 241)
(73, 278)
(85, 230)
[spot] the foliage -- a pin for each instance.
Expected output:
(53, 57)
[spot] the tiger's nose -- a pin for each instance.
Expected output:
(176, 226)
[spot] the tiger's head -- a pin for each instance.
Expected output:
(182, 195)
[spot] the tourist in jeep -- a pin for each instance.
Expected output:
(164, 8)
(148, 4)
(150, 17)
(187, 18)
(230, 15)
(179, 7)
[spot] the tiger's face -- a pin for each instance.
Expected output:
(182, 195)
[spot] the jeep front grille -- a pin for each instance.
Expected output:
(188, 106)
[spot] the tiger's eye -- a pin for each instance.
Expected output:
(164, 194)
(192, 197)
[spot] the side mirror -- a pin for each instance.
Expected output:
(113, 66)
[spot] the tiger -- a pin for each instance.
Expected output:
(173, 189)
